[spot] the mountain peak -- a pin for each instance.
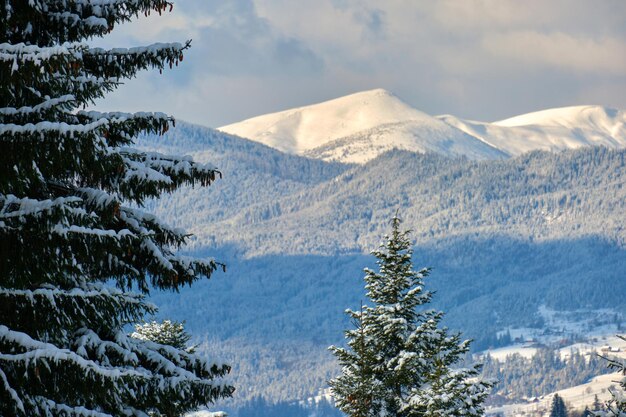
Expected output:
(572, 116)
(360, 126)
(375, 92)
(304, 128)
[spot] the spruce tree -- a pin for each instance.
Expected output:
(356, 391)
(71, 188)
(400, 361)
(558, 409)
(167, 332)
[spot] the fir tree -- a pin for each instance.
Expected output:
(558, 409)
(399, 360)
(357, 390)
(167, 332)
(70, 185)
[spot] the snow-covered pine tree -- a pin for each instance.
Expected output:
(399, 360)
(70, 183)
(166, 332)
(357, 389)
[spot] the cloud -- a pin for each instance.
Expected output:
(560, 51)
(480, 59)
(570, 16)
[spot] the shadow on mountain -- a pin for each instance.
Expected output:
(482, 283)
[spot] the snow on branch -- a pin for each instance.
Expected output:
(176, 362)
(147, 224)
(41, 107)
(12, 393)
(121, 116)
(155, 49)
(43, 128)
(73, 19)
(67, 410)
(180, 169)
(35, 350)
(27, 131)
(11, 206)
(97, 198)
(78, 302)
(116, 234)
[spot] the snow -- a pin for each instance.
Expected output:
(204, 413)
(361, 126)
(525, 350)
(12, 393)
(36, 54)
(576, 398)
(417, 136)
(45, 105)
(551, 130)
(566, 116)
(357, 128)
(305, 128)
(11, 206)
(598, 328)
(61, 127)
(46, 351)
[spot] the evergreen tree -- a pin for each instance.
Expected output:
(558, 408)
(70, 185)
(165, 333)
(399, 360)
(357, 391)
(597, 404)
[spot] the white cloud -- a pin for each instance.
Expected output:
(561, 51)
(483, 59)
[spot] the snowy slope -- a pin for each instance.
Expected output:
(301, 129)
(412, 135)
(551, 130)
(576, 398)
(358, 127)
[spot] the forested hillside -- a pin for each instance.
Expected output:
(503, 237)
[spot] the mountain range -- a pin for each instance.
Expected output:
(295, 217)
(361, 126)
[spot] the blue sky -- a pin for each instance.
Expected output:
(477, 59)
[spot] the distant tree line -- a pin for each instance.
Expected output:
(260, 407)
(519, 377)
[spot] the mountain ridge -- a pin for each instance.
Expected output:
(358, 127)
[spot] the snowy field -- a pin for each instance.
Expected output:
(576, 398)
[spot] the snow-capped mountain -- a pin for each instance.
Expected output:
(551, 130)
(358, 127)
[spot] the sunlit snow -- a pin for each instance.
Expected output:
(358, 127)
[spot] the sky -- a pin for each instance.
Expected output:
(476, 59)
